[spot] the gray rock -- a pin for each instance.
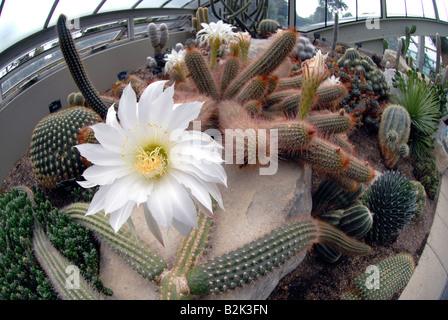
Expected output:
(254, 206)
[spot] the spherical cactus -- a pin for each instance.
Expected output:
(53, 156)
(393, 134)
(267, 27)
(304, 49)
(392, 199)
(75, 99)
(356, 221)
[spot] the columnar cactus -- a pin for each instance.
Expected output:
(77, 69)
(53, 156)
(158, 36)
(393, 134)
(387, 278)
(138, 254)
(57, 268)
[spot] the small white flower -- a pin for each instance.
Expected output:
(148, 158)
(331, 80)
(173, 59)
(215, 32)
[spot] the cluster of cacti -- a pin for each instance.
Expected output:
(202, 16)
(421, 198)
(56, 267)
(239, 13)
(76, 68)
(304, 49)
(383, 280)
(53, 155)
(267, 27)
(392, 198)
(255, 98)
(21, 276)
(342, 209)
(138, 254)
(158, 37)
(393, 134)
(409, 31)
(363, 65)
(138, 85)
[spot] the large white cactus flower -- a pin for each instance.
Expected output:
(148, 158)
(219, 31)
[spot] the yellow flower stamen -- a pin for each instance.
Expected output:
(151, 163)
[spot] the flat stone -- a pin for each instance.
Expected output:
(254, 206)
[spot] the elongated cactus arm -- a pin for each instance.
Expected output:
(56, 265)
(173, 282)
(76, 68)
(339, 241)
(137, 254)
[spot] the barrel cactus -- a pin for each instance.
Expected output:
(267, 27)
(53, 156)
(393, 134)
(392, 199)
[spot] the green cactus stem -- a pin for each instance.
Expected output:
(76, 68)
(173, 282)
(259, 257)
(138, 254)
(393, 275)
(231, 69)
(332, 123)
(56, 266)
(290, 82)
(268, 61)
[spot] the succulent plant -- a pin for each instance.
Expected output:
(421, 198)
(53, 156)
(76, 99)
(392, 199)
(267, 27)
(382, 281)
(393, 134)
(158, 36)
(304, 49)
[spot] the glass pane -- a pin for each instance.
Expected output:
(278, 11)
(442, 8)
(74, 9)
(150, 4)
(428, 9)
(346, 13)
(414, 8)
(115, 5)
(369, 9)
(395, 8)
(22, 18)
(311, 16)
(177, 3)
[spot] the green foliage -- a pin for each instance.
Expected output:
(428, 175)
(421, 198)
(21, 276)
(392, 199)
(393, 274)
(424, 103)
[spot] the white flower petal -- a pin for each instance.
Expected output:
(210, 172)
(97, 154)
(183, 114)
(183, 228)
(118, 194)
(127, 108)
(108, 136)
(120, 216)
(159, 204)
(98, 200)
(111, 118)
(147, 98)
(101, 175)
(152, 225)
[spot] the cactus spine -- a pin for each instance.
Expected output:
(395, 127)
(139, 255)
(56, 266)
(394, 273)
(333, 123)
(76, 68)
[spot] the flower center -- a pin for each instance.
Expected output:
(151, 162)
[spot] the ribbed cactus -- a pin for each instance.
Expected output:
(332, 123)
(255, 88)
(158, 36)
(58, 269)
(421, 198)
(382, 281)
(258, 258)
(392, 199)
(138, 254)
(393, 134)
(201, 17)
(324, 156)
(76, 68)
(53, 156)
(304, 49)
(267, 27)
(294, 82)
(231, 69)
(328, 96)
(356, 221)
